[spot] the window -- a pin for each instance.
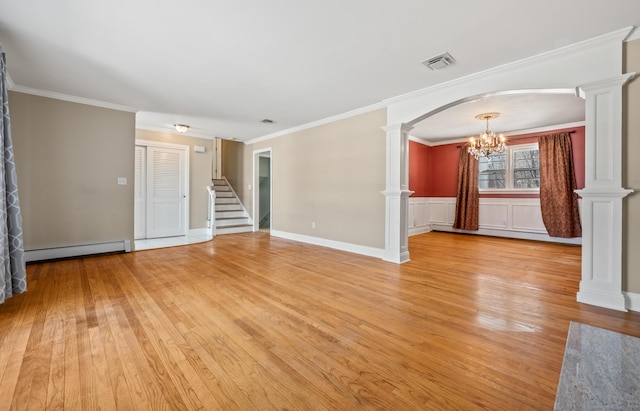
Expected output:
(517, 169)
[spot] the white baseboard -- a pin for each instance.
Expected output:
(632, 300)
(338, 245)
(76, 250)
(200, 231)
(419, 230)
(523, 235)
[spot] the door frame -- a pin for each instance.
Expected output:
(256, 187)
(182, 147)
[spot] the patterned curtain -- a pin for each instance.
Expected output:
(11, 248)
(558, 201)
(468, 195)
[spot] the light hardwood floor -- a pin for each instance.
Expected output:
(248, 321)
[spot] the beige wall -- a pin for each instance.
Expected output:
(233, 166)
(200, 166)
(69, 157)
(331, 175)
(631, 171)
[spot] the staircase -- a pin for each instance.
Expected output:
(230, 215)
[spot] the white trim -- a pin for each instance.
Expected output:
(586, 45)
(199, 231)
(256, 187)
(522, 235)
(77, 250)
(187, 175)
(147, 143)
(437, 213)
(483, 96)
(172, 130)
(327, 120)
(337, 245)
(72, 99)
(507, 134)
(634, 35)
(632, 300)
(421, 141)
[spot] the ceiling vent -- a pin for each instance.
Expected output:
(439, 62)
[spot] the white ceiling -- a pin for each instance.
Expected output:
(518, 113)
(223, 66)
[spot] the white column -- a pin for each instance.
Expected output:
(602, 196)
(397, 194)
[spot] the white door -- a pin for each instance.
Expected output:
(166, 192)
(140, 210)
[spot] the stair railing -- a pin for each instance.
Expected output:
(212, 210)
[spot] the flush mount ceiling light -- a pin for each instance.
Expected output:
(487, 143)
(439, 62)
(181, 128)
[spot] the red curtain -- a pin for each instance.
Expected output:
(558, 201)
(468, 195)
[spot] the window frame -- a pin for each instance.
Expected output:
(508, 181)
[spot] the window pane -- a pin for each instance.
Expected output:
(492, 171)
(526, 169)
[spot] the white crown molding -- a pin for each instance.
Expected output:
(343, 116)
(616, 36)
(72, 99)
(546, 128)
(419, 141)
(171, 130)
(506, 133)
(634, 35)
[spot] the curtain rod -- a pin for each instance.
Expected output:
(522, 138)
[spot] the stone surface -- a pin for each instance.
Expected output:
(600, 371)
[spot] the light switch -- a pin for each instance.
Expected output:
(122, 181)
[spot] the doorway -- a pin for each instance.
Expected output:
(262, 183)
(161, 190)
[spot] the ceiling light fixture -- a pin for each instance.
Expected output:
(181, 128)
(487, 143)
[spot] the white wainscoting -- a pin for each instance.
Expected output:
(501, 217)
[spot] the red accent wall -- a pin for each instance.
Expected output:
(419, 168)
(433, 171)
(444, 171)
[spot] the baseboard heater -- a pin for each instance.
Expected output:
(76, 250)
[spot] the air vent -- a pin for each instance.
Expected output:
(439, 62)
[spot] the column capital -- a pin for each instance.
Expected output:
(596, 192)
(613, 82)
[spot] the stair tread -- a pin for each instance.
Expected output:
(231, 218)
(234, 226)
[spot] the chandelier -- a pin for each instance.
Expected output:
(487, 143)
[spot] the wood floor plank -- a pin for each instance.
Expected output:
(248, 321)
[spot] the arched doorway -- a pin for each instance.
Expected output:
(601, 87)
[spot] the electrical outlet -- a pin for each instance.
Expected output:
(313, 225)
